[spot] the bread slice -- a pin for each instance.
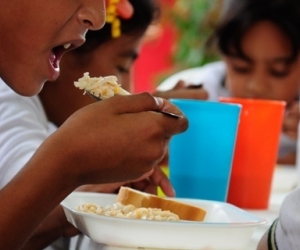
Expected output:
(140, 199)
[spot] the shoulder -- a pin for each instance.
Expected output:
(18, 111)
(11, 102)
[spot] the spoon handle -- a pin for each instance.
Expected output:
(170, 114)
(159, 111)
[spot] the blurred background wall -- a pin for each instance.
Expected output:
(176, 41)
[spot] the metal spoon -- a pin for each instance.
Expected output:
(160, 111)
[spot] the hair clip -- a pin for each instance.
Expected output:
(112, 18)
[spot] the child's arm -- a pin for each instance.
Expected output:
(183, 90)
(100, 143)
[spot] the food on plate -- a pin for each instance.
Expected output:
(134, 204)
(101, 87)
(128, 211)
(129, 196)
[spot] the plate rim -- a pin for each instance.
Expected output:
(255, 223)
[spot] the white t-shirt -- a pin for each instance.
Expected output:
(284, 233)
(23, 127)
(212, 77)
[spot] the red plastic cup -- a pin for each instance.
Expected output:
(256, 151)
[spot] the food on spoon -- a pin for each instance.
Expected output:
(102, 87)
(129, 196)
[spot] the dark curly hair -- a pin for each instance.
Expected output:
(240, 15)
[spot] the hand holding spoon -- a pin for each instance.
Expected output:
(101, 88)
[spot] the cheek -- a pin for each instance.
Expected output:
(288, 84)
(126, 82)
(102, 67)
(285, 90)
(236, 83)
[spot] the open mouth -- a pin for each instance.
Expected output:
(57, 53)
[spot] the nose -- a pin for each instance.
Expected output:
(258, 86)
(92, 14)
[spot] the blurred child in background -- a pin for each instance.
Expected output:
(259, 46)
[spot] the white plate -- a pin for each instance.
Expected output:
(225, 226)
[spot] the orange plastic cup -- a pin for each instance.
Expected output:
(255, 152)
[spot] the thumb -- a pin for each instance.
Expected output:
(137, 103)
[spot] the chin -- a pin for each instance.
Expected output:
(28, 89)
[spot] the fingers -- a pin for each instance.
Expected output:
(184, 93)
(144, 176)
(146, 102)
(156, 179)
(160, 179)
(180, 85)
(101, 188)
(291, 120)
(136, 103)
(116, 140)
(145, 186)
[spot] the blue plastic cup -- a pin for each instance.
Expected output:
(200, 159)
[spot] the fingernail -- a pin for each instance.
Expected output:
(159, 102)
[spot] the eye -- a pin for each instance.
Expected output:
(279, 74)
(122, 70)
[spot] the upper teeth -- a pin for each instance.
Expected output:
(66, 46)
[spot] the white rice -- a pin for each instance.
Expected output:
(102, 87)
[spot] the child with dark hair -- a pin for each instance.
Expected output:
(91, 147)
(101, 55)
(259, 43)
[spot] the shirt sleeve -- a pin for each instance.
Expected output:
(272, 245)
(284, 234)
(23, 128)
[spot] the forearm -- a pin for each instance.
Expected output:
(54, 227)
(43, 239)
(30, 197)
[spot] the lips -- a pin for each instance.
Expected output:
(57, 53)
(54, 60)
